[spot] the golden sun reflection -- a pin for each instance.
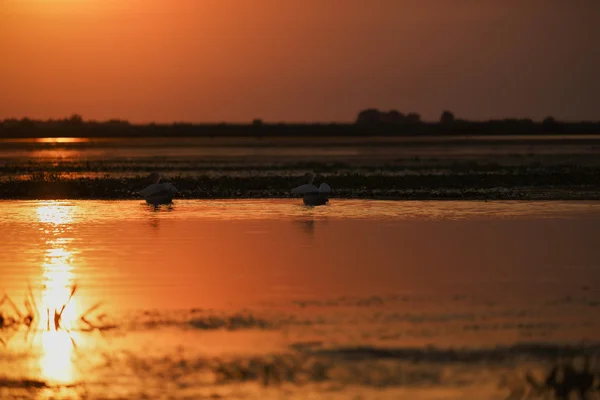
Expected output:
(55, 213)
(58, 281)
(56, 361)
(58, 306)
(61, 140)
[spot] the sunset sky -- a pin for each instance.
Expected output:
(298, 60)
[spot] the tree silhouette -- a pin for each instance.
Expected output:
(393, 117)
(447, 117)
(369, 122)
(369, 116)
(413, 118)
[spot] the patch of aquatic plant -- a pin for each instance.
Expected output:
(22, 384)
(211, 320)
(25, 388)
(525, 368)
(498, 354)
(36, 169)
(561, 380)
(503, 177)
(422, 186)
(33, 318)
(232, 322)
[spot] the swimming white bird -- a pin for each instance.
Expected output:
(312, 195)
(158, 193)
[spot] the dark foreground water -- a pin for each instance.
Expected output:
(268, 299)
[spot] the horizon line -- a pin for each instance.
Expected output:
(261, 121)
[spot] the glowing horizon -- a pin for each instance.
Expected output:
(226, 61)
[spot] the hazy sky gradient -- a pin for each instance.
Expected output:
(298, 60)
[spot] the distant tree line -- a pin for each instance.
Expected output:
(449, 124)
(374, 116)
(369, 122)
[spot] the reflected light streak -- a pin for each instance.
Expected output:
(58, 279)
(61, 140)
(56, 361)
(55, 213)
(63, 153)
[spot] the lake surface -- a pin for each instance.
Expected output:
(271, 299)
(373, 167)
(338, 148)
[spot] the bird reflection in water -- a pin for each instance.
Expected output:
(154, 219)
(306, 225)
(160, 207)
(154, 222)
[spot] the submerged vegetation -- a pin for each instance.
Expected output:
(35, 318)
(521, 371)
(421, 180)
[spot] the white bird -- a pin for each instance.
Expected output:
(312, 195)
(158, 193)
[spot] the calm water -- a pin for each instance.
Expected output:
(271, 299)
(102, 161)
(370, 148)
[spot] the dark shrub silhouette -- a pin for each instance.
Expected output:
(447, 117)
(374, 116)
(369, 116)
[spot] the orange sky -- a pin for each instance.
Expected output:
(298, 60)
